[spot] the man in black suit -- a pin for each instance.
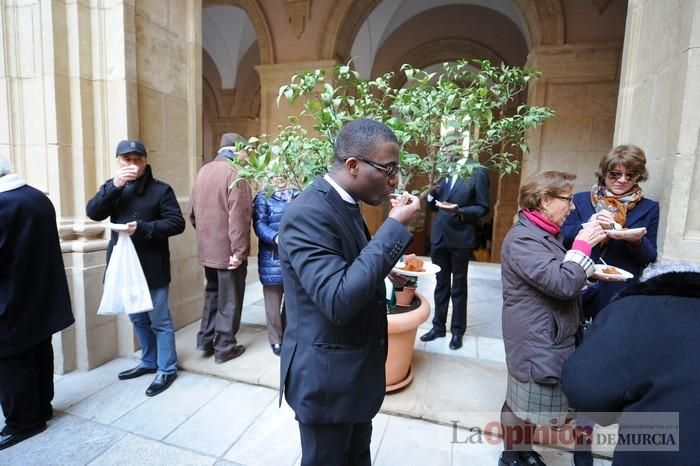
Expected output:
(460, 203)
(335, 344)
(34, 304)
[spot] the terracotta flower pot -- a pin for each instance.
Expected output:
(402, 330)
(404, 297)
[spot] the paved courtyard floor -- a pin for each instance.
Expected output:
(228, 414)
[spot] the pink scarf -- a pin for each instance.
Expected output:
(541, 221)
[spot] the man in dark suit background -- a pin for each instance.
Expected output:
(462, 202)
(34, 304)
(335, 344)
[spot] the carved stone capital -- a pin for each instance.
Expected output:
(82, 235)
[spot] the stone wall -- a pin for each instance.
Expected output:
(658, 110)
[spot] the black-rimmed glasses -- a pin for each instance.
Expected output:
(568, 199)
(390, 169)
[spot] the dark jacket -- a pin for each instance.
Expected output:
(541, 302)
(458, 230)
(267, 214)
(153, 205)
(34, 299)
(616, 252)
(640, 356)
(335, 343)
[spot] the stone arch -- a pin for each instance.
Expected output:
(440, 51)
(544, 20)
(260, 24)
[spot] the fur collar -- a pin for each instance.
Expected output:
(686, 284)
(11, 181)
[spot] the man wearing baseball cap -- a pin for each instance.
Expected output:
(150, 210)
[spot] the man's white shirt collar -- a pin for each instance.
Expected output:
(343, 193)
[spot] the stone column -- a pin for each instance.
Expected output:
(76, 78)
(658, 111)
(580, 83)
(272, 77)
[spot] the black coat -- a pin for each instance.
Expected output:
(34, 298)
(335, 343)
(458, 230)
(153, 205)
(640, 355)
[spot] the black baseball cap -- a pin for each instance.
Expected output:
(129, 146)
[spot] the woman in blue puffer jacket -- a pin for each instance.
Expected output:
(267, 214)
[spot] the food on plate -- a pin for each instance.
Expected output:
(412, 263)
(610, 271)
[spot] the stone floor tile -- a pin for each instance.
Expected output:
(272, 439)
(490, 349)
(379, 425)
(250, 367)
(219, 423)
(474, 449)
(227, 463)
(411, 442)
(76, 386)
(114, 401)
(409, 400)
(133, 450)
(466, 390)
(160, 415)
(68, 441)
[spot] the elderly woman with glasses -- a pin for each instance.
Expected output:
(542, 282)
(617, 201)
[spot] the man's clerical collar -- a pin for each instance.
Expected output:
(343, 193)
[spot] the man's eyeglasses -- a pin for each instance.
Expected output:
(616, 175)
(390, 169)
(568, 199)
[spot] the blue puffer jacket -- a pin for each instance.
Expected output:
(267, 214)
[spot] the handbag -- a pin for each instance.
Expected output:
(125, 287)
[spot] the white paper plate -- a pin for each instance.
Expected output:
(620, 234)
(117, 226)
(430, 269)
(444, 205)
(617, 277)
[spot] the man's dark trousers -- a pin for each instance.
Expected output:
(453, 263)
(223, 303)
(26, 388)
(345, 444)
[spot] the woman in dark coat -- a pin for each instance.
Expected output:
(267, 214)
(542, 282)
(640, 356)
(616, 198)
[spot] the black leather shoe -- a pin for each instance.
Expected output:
(432, 335)
(456, 342)
(7, 440)
(236, 351)
(160, 384)
(583, 458)
(531, 458)
(276, 348)
(208, 350)
(509, 458)
(137, 371)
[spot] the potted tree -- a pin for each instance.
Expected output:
(470, 108)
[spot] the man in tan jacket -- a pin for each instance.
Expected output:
(221, 214)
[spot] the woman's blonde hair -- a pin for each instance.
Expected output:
(627, 155)
(539, 185)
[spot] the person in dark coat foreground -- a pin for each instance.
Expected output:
(34, 304)
(150, 210)
(639, 356)
(335, 344)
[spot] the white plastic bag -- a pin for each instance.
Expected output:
(126, 290)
